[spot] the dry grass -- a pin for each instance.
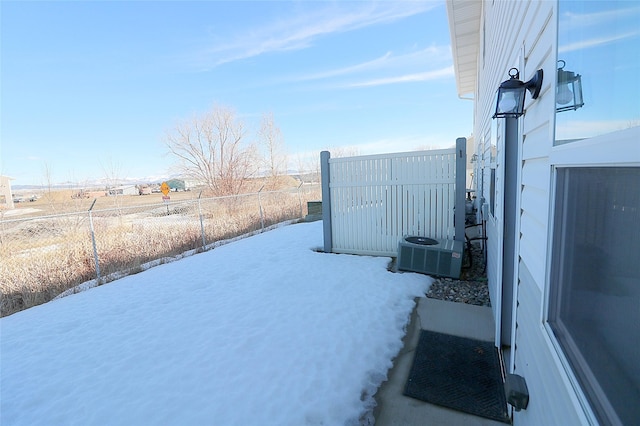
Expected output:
(45, 256)
(61, 201)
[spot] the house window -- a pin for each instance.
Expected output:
(594, 304)
(594, 287)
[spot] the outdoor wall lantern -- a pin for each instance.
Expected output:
(511, 93)
(569, 90)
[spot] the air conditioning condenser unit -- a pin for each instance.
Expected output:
(436, 257)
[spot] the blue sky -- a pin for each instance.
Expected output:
(89, 89)
(599, 41)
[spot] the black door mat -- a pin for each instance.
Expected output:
(458, 373)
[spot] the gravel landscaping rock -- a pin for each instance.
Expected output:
(472, 286)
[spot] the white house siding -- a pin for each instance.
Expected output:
(552, 401)
(522, 34)
(494, 60)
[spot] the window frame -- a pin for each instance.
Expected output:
(616, 149)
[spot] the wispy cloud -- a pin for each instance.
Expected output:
(365, 66)
(573, 21)
(302, 30)
(389, 61)
(598, 41)
(610, 26)
(408, 78)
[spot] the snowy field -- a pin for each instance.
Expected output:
(262, 331)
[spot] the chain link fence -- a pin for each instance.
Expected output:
(42, 257)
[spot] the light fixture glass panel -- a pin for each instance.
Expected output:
(563, 94)
(577, 91)
(510, 102)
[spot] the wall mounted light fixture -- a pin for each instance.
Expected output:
(568, 90)
(511, 93)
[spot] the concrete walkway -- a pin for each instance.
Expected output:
(459, 319)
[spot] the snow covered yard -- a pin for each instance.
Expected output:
(264, 331)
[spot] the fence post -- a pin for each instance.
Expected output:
(326, 200)
(204, 241)
(260, 205)
(461, 187)
(93, 241)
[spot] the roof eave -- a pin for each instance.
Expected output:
(464, 27)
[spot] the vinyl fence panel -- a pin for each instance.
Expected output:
(376, 200)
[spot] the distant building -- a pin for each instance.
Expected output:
(124, 190)
(190, 183)
(144, 189)
(6, 200)
(177, 184)
(185, 183)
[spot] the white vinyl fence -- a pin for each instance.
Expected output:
(372, 202)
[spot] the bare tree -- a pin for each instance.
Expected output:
(113, 178)
(48, 194)
(308, 167)
(275, 156)
(211, 148)
(344, 151)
